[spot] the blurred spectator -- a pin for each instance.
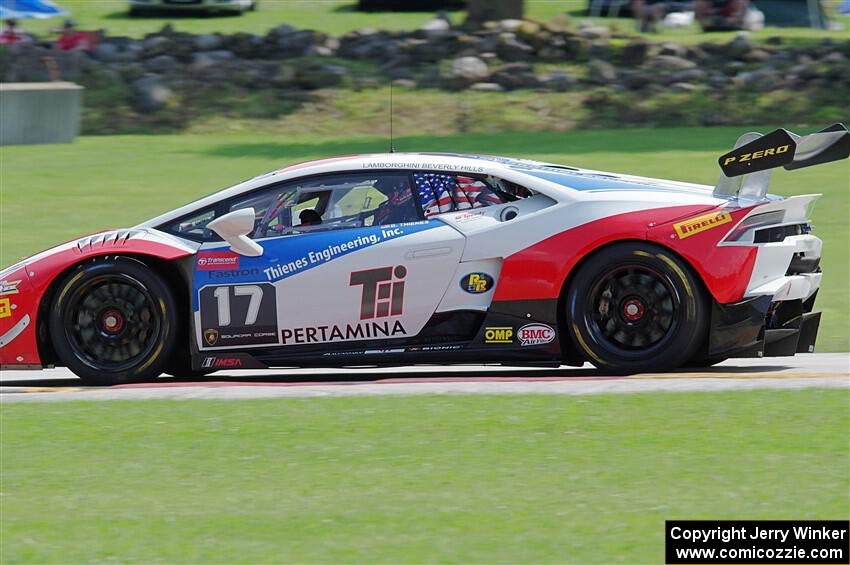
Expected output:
(12, 34)
(73, 40)
(721, 15)
(649, 13)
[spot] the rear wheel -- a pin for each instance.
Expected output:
(635, 307)
(111, 321)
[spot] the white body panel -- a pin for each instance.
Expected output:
(772, 263)
(318, 299)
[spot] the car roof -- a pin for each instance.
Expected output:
(557, 181)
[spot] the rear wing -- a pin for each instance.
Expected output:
(748, 167)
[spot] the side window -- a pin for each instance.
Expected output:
(194, 227)
(440, 192)
(332, 202)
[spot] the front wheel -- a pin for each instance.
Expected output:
(634, 308)
(111, 321)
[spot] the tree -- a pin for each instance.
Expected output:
(481, 11)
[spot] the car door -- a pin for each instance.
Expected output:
(346, 258)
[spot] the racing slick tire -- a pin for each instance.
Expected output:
(111, 321)
(635, 307)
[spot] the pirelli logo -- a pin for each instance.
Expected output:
(701, 223)
(744, 157)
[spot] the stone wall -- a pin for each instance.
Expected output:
(145, 74)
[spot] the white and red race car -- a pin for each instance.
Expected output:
(436, 258)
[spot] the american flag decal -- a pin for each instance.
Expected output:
(439, 192)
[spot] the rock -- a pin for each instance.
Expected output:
(601, 72)
(672, 63)
(436, 27)
(636, 79)
(733, 67)
(397, 71)
(740, 46)
(486, 87)
(312, 75)
(599, 49)
(282, 29)
(421, 50)
(682, 87)
(118, 51)
(528, 28)
(471, 69)
(296, 44)
(156, 45)
(108, 53)
(719, 81)
(204, 60)
(835, 58)
(511, 49)
(320, 50)
(401, 62)
(284, 77)
(149, 94)
(515, 75)
(510, 25)
(697, 54)
(430, 77)
(559, 81)
(760, 80)
(161, 64)
(208, 42)
(688, 75)
(404, 83)
(673, 49)
(634, 53)
(244, 44)
(756, 56)
(594, 32)
(465, 71)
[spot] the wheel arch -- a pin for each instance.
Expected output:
(172, 271)
(568, 349)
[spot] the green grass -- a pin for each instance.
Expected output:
(50, 194)
(340, 16)
(533, 479)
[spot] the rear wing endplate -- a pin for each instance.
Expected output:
(748, 167)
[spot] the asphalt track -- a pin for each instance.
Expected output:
(823, 370)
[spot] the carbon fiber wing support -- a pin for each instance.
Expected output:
(746, 170)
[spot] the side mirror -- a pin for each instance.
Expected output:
(234, 228)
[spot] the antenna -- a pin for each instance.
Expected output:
(392, 147)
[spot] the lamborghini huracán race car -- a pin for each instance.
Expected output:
(406, 258)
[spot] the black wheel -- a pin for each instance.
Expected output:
(635, 307)
(111, 321)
